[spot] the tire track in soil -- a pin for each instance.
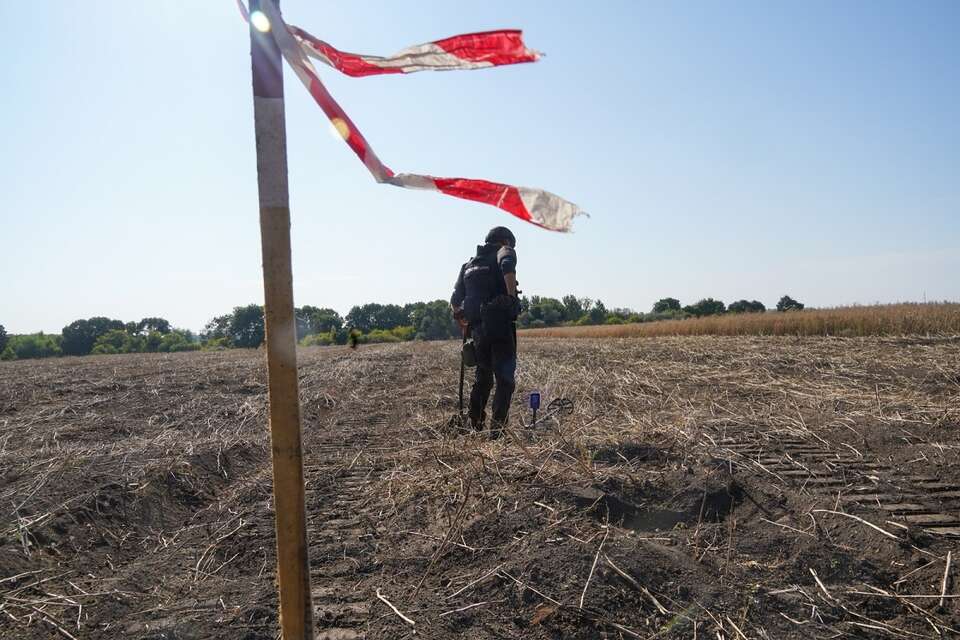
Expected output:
(852, 480)
(341, 525)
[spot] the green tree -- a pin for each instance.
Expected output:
(391, 317)
(363, 317)
(706, 307)
(34, 345)
(597, 313)
(434, 321)
(623, 313)
(216, 344)
(523, 320)
(3, 338)
(572, 307)
(524, 304)
(410, 308)
(746, 306)
(404, 333)
(80, 335)
(664, 305)
(317, 320)
(176, 341)
(134, 344)
(379, 335)
(373, 315)
(246, 326)
(119, 341)
(319, 339)
(151, 341)
(787, 303)
(147, 325)
(103, 349)
(548, 310)
(538, 311)
(116, 339)
(101, 324)
(218, 328)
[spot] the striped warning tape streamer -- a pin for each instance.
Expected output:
(467, 51)
(471, 51)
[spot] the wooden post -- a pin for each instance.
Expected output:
(293, 566)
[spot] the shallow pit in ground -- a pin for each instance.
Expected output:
(703, 499)
(630, 452)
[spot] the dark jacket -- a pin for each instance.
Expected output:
(501, 260)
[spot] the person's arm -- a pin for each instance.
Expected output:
(459, 293)
(456, 301)
(510, 279)
(507, 259)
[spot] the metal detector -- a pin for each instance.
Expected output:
(463, 366)
(457, 421)
(557, 407)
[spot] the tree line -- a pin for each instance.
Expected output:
(537, 311)
(243, 327)
(99, 335)
(371, 322)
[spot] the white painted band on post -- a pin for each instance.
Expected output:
(271, 152)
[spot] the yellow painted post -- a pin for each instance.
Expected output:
(293, 566)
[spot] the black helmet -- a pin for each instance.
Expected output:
(501, 234)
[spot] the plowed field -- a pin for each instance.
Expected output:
(697, 487)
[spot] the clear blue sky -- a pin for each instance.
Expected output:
(733, 150)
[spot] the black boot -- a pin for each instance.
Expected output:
(496, 428)
(478, 423)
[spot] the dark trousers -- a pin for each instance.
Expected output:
(496, 361)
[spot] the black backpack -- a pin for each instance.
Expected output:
(483, 281)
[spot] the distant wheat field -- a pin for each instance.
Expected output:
(940, 319)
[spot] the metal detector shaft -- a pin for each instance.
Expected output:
(462, 367)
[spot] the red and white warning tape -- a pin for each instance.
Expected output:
(470, 51)
(467, 51)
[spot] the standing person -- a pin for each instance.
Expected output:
(485, 305)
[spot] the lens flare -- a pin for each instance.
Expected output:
(260, 21)
(339, 128)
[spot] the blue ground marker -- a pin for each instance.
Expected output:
(535, 404)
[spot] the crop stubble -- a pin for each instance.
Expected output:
(703, 487)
